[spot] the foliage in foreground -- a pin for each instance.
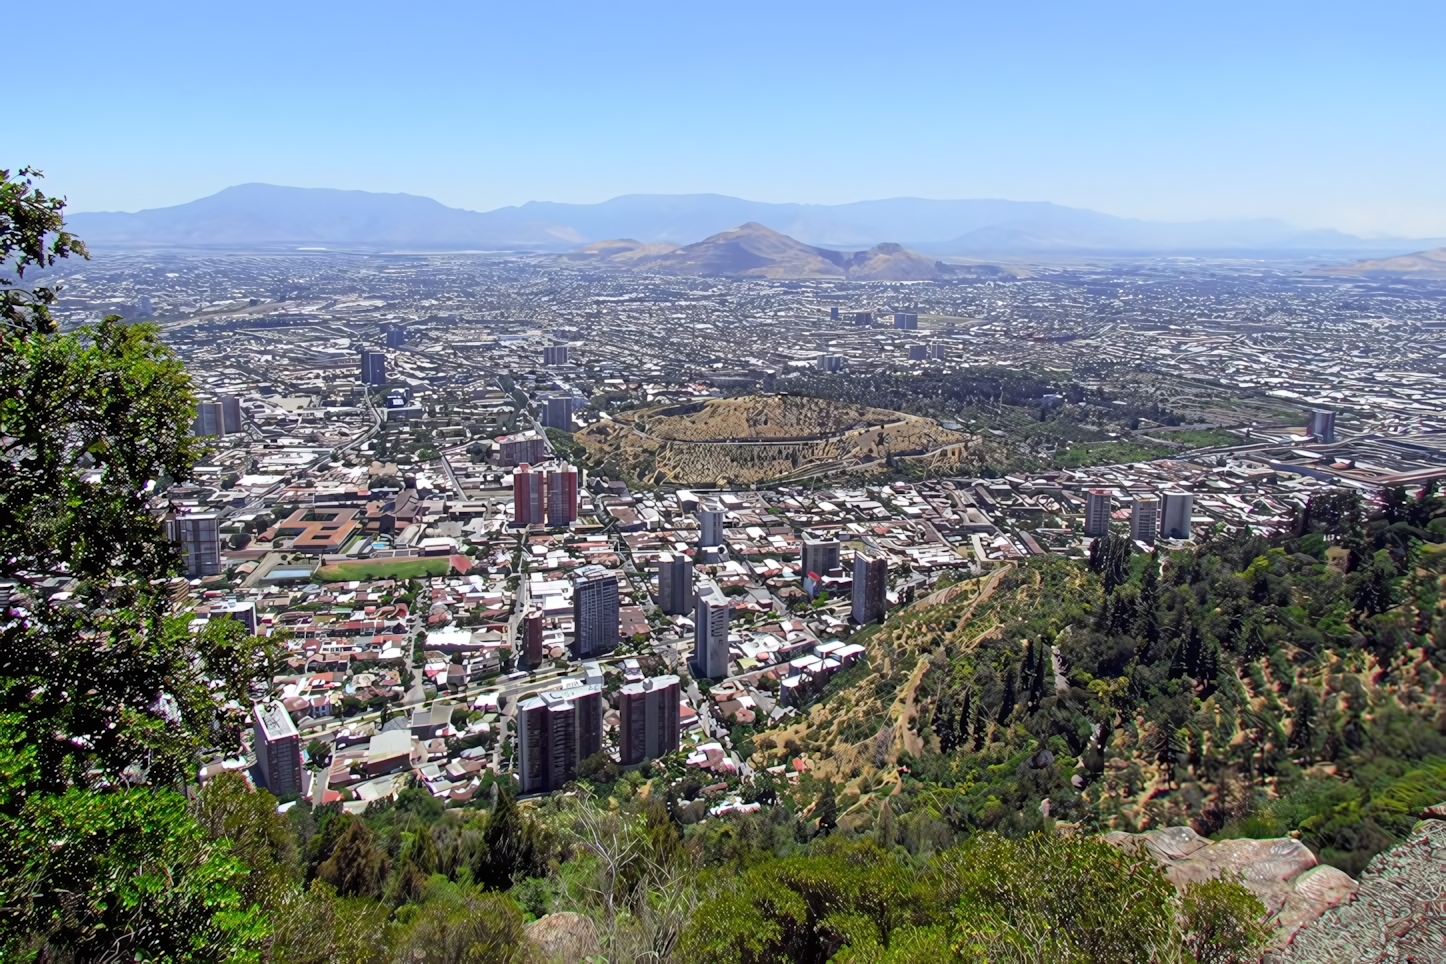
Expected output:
(408, 881)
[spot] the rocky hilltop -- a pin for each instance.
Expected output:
(754, 250)
(1283, 873)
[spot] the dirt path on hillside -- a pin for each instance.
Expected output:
(909, 736)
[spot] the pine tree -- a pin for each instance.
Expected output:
(1255, 646)
(1011, 686)
(961, 730)
(1303, 723)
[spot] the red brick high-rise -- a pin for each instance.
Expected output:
(528, 496)
(562, 495)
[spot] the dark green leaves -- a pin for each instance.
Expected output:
(32, 235)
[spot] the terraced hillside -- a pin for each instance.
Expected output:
(766, 438)
(1244, 688)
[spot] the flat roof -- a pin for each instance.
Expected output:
(274, 721)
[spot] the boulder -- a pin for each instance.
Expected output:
(1282, 873)
(1314, 892)
(564, 936)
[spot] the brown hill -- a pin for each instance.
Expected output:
(755, 251)
(757, 438)
(893, 262)
(620, 251)
(1422, 264)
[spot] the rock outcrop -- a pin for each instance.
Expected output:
(1283, 873)
(1398, 915)
(563, 937)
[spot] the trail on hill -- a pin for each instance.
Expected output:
(909, 735)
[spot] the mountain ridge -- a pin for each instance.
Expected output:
(259, 215)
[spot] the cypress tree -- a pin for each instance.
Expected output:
(1011, 686)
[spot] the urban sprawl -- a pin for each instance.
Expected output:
(401, 487)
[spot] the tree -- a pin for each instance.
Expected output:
(459, 925)
(318, 754)
(1055, 898)
(803, 908)
(117, 876)
(515, 846)
(358, 864)
(1222, 922)
(104, 696)
(1303, 724)
(228, 809)
(826, 812)
(884, 833)
(32, 235)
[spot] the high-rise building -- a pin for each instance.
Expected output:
(231, 419)
(710, 527)
(871, 586)
(1097, 512)
(278, 748)
(1322, 425)
(675, 583)
(864, 319)
(1145, 519)
(939, 350)
(396, 337)
(594, 610)
(557, 412)
(521, 447)
(711, 612)
(1176, 509)
(529, 498)
(554, 355)
(243, 612)
(373, 367)
(210, 419)
(562, 495)
(906, 321)
(532, 638)
(829, 363)
(556, 731)
(199, 535)
(649, 718)
(833, 313)
(820, 556)
(918, 353)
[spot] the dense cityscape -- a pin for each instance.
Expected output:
(527, 525)
(747, 484)
(392, 483)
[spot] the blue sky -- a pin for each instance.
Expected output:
(1324, 114)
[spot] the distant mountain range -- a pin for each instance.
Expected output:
(755, 251)
(1421, 264)
(263, 215)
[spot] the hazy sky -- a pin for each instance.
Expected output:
(1325, 114)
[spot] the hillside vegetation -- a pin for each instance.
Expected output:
(1246, 687)
(758, 438)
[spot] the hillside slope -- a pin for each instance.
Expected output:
(1241, 688)
(1422, 264)
(754, 438)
